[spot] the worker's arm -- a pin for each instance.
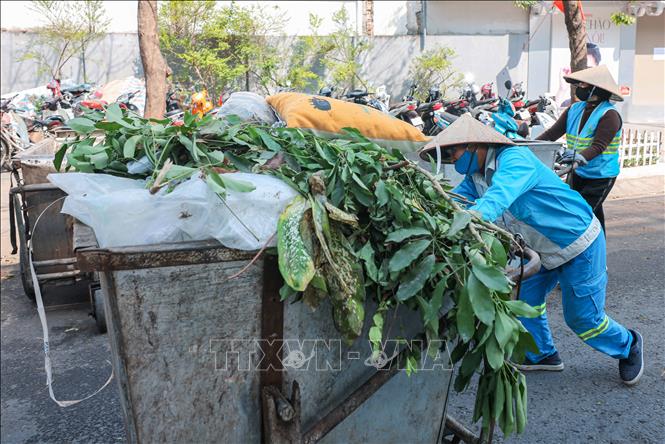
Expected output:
(516, 175)
(557, 130)
(467, 189)
(608, 125)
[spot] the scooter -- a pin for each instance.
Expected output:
(504, 121)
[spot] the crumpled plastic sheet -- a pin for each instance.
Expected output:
(122, 212)
(249, 107)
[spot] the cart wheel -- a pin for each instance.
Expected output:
(26, 276)
(98, 313)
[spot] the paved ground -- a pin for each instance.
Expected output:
(585, 403)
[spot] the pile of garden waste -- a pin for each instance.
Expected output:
(367, 223)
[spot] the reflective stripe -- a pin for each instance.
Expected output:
(592, 333)
(540, 309)
(582, 143)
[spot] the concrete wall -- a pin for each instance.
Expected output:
(476, 17)
(648, 100)
(113, 57)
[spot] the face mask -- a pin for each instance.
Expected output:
(584, 93)
(467, 164)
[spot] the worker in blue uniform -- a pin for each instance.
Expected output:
(593, 135)
(507, 184)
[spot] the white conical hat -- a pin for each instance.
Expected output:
(465, 130)
(598, 76)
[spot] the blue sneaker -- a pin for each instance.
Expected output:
(551, 363)
(632, 367)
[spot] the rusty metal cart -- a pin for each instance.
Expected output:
(200, 356)
(32, 197)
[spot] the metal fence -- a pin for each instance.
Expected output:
(641, 146)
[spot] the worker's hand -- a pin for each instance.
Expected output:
(570, 156)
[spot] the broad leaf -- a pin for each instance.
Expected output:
(405, 233)
(460, 222)
(464, 318)
(81, 125)
(129, 150)
(415, 279)
(492, 277)
(407, 254)
(481, 300)
(295, 263)
(521, 308)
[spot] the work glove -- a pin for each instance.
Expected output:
(570, 156)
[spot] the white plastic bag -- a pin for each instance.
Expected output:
(122, 212)
(249, 107)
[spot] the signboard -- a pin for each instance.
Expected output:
(603, 38)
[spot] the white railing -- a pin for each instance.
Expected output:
(640, 146)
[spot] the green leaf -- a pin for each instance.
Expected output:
(405, 233)
(268, 140)
(377, 319)
(129, 150)
(466, 325)
(381, 193)
(100, 160)
(59, 156)
(494, 354)
(366, 254)
(415, 279)
(407, 254)
(521, 308)
(295, 262)
(81, 125)
(470, 363)
(460, 220)
(481, 301)
(113, 113)
(375, 334)
(503, 328)
(236, 184)
(492, 277)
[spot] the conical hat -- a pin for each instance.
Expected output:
(465, 130)
(598, 76)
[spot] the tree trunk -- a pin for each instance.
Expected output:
(154, 67)
(576, 38)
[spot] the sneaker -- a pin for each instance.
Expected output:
(550, 363)
(631, 368)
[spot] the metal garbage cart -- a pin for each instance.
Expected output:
(200, 356)
(32, 197)
(544, 150)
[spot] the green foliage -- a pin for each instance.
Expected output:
(621, 18)
(434, 68)
(229, 47)
(342, 52)
(69, 27)
(362, 227)
(525, 4)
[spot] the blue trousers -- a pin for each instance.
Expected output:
(583, 280)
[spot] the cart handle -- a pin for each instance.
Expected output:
(33, 188)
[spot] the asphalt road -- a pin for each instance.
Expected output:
(586, 403)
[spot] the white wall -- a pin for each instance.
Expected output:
(18, 15)
(476, 17)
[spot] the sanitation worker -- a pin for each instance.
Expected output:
(507, 184)
(593, 133)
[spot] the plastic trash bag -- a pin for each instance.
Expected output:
(249, 107)
(122, 212)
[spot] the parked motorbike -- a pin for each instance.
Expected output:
(362, 97)
(125, 101)
(504, 121)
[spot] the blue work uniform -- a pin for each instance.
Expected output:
(517, 190)
(604, 165)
